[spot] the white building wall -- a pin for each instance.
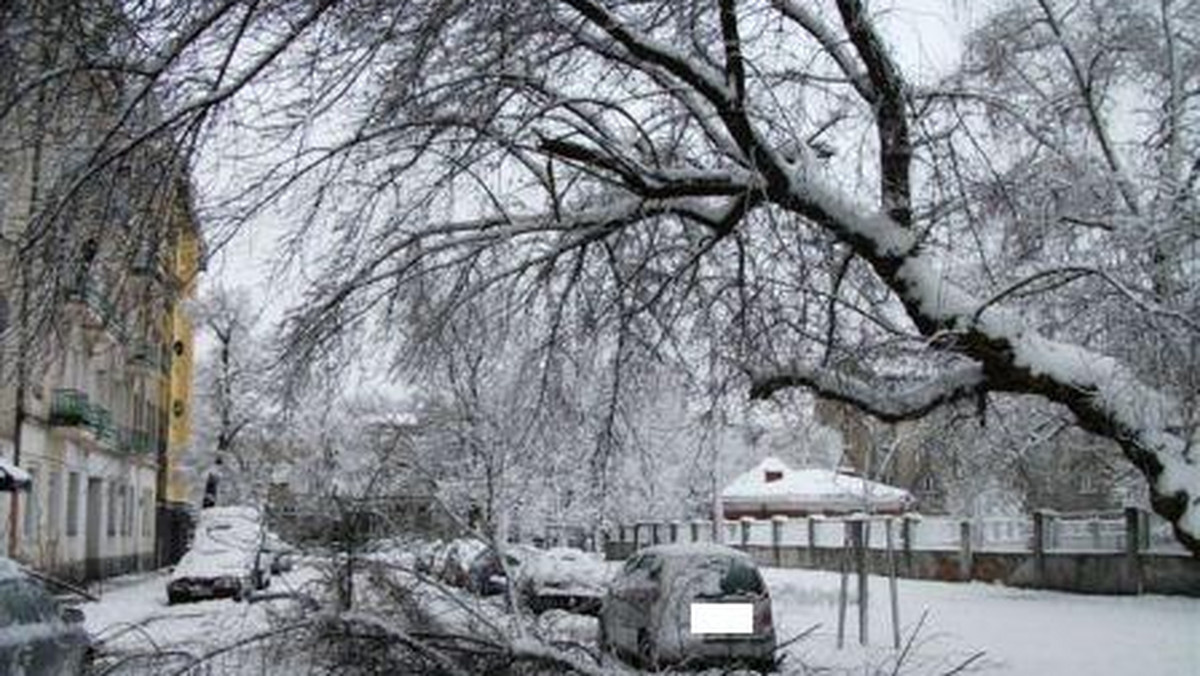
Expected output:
(54, 514)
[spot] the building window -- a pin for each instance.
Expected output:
(928, 484)
(147, 513)
(73, 504)
(112, 510)
(31, 504)
(54, 504)
(124, 507)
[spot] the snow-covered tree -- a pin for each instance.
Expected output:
(758, 188)
(755, 190)
(234, 446)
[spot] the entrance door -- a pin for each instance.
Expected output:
(95, 503)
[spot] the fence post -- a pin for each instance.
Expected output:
(777, 539)
(809, 555)
(694, 528)
(1133, 541)
(965, 553)
(716, 535)
(673, 530)
(745, 531)
(1039, 546)
(906, 538)
(858, 538)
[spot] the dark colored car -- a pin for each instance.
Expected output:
(37, 636)
(656, 608)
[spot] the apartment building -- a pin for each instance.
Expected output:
(98, 256)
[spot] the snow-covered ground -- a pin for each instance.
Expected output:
(133, 618)
(1019, 632)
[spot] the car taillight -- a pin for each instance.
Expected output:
(762, 616)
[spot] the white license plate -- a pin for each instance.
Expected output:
(722, 618)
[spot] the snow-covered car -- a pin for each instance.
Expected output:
(563, 578)
(37, 635)
(227, 557)
(660, 608)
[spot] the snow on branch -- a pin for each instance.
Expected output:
(887, 404)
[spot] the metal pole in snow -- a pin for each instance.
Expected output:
(861, 564)
(891, 555)
(841, 634)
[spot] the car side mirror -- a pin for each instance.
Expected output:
(71, 615)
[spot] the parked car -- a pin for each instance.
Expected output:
(563, 578)
(37, 635)
(226, 559)
(647, 610)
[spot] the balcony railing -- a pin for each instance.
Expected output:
(72, 408)
(69, 408)
(141, 442)
(150, 356)
(89, 293)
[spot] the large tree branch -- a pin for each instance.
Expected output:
(886, 403)
(891, 115)
(833, 47)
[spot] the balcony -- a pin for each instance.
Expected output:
(140, 442)
(71, 408)
(149, 356)
(102, 312)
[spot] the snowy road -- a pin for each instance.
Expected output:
(132, 616)
(1021, 632)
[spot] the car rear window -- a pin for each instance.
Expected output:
(741, 578)
(720, 576)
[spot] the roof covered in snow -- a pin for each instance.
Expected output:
(773, 484)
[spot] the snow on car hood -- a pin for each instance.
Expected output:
(566, 568)
(213, 563)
